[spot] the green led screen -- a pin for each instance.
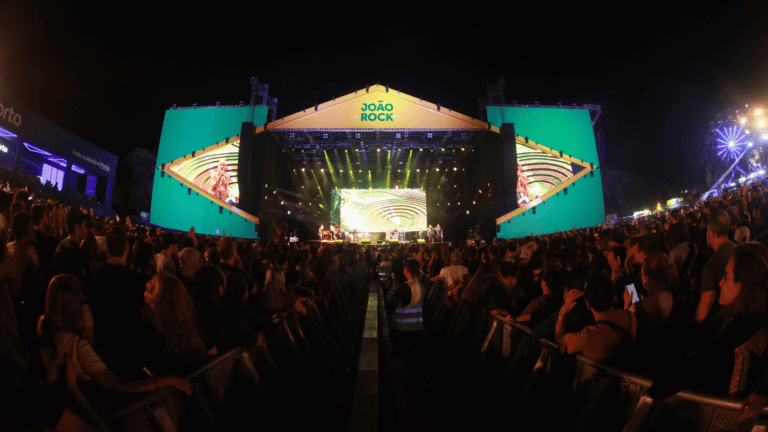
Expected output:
(185, 131)
(569, 131)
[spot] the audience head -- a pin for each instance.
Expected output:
(117, 242)
(718, 224)
(226, 248)
(554, 281)
(658, 270)
(456, 258)
(75, 221)
(599, 292)
(190, 261)
(171, 310)
(413, 268)
(745, 285)
(21, 227)
(63, 310)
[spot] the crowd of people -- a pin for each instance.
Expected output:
(92, 304)
(670, 296)
(93, 307)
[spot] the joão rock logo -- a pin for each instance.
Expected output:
(376, 112)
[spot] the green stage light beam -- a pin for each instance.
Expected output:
(318, 185)
(408, 169)
(330, 166)
(351, 171)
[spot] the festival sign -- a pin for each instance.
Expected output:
(377, 108)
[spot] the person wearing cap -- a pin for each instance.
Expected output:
(453, 273)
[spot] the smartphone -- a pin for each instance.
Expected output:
(633, 293)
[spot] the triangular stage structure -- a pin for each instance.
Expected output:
(214, 172)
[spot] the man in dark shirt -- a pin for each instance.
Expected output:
(117, 296)
(717, 237)
(75, 221)
(46, 245)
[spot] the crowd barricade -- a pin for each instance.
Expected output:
(527, 382)
(302, 368)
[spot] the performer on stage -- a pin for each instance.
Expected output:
(320, 232)
(438, 234)
(421, 235)
(220, 180)
(431, 233)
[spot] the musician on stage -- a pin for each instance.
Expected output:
(394, 234)
(421, 234)
(439, 234)
(431, 233)
(320, 232)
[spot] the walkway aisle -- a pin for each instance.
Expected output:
(381, 401)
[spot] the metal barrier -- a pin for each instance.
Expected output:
(535, 371)
(229, 389)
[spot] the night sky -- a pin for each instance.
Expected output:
(661, 73)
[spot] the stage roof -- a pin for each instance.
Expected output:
(377, 107)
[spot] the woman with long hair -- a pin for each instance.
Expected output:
(275, 298)
(659, 276)
(169, 309)
(744, 294)
(62, 332)
(32, 405)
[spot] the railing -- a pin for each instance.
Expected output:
(525, 390)
(302, 368)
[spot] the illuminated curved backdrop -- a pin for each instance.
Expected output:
(215, 172)
(538, 173)
(379, 210)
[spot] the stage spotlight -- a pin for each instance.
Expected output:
(302, 170)
(455, 169)
(462, 149)
(749, 144)
(746, 131)
(378, 150)
(322, 169)
(418, 170)
(765, 137)
(761, 123)
(758, 112)
(743, 120)
(467, 211)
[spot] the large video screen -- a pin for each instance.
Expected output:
(214, 172)
(379, 210)
(190, 130)
(538, 173)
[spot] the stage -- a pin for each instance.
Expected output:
(388, 243)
